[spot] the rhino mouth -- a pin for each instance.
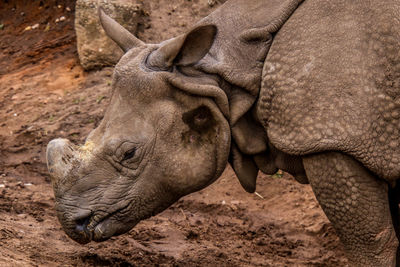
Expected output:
(96, 228)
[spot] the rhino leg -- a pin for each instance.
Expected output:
(357, 204)
(394, 200)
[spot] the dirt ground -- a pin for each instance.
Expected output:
(44, 94)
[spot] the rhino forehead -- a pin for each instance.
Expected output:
(136, 81)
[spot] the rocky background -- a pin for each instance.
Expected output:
(48, 90)
(95, 49)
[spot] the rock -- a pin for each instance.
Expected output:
(95, 49)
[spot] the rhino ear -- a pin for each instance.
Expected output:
(184, 50)
(117, 33)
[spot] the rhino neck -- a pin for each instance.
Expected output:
(235, 62)
(245, 33)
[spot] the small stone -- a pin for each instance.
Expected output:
(68, 9)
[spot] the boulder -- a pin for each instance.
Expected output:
(95, 49)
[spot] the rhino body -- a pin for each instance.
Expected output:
(308, 87)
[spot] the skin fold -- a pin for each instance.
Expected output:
(310, 87)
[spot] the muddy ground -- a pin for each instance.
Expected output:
(44, 93)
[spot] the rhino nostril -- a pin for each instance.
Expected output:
(81, 224)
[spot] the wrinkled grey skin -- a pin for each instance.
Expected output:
(311, 88)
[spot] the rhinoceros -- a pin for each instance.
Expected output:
(310, 87)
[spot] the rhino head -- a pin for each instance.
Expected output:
(164, 135)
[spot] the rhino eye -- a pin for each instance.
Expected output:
(129, 154)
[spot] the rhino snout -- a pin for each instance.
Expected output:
(81, 233)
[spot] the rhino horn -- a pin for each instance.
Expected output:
(117, 33)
